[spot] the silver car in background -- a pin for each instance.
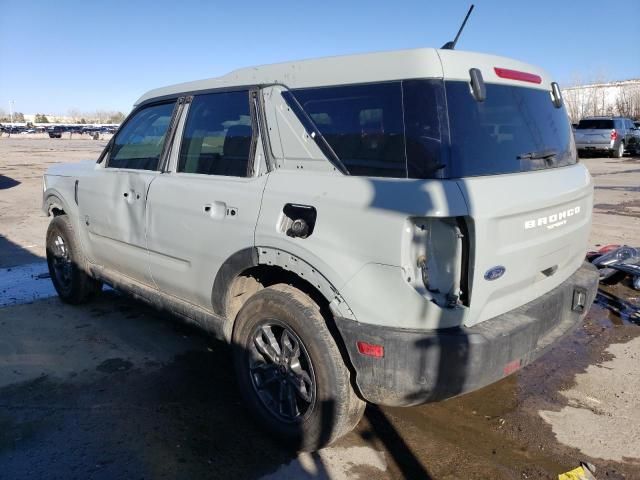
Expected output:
(611, 135)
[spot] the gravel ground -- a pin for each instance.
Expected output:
(114, 389)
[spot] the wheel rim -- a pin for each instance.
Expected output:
(61, 262)
(282, 375)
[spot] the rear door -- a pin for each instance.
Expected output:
(112, 201)
(205, 208)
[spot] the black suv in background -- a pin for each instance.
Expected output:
(55, 132)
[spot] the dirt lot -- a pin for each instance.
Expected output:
(113, 389)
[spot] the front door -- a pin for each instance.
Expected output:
(112, 202)
(205, 208)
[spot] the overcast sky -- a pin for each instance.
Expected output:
(88, 55)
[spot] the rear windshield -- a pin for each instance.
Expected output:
(436, 129)
(516, 129)
(595, 124)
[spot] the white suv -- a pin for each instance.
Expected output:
(395, 227)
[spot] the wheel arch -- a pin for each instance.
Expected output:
(53, 205)
(252, 269)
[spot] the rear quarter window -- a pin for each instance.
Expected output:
(388, 129)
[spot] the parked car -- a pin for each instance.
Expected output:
(609, 135)
(633, 146)
(342, 223)
(55, 132)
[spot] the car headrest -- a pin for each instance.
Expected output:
(237, 141)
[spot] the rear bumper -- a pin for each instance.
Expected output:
(425, 366)
(595, 146)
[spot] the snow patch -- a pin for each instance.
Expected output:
(25, 284)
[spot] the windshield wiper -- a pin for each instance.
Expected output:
(540, 155)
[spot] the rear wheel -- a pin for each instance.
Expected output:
(66, 263)
(290, 370)
(619, 151)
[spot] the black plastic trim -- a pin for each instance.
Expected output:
(422, 366)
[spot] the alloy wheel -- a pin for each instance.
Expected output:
(282, 374)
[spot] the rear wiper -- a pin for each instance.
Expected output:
(542, 154)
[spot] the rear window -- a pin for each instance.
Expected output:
(436, 129)
(595, 124)
(516, 129)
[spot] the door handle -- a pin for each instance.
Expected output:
(133, 194)
(218, 210)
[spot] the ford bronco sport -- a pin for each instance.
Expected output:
(396, 227)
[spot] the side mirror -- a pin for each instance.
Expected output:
(477, 85)
(556, 95)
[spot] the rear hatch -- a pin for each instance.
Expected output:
(535, 225)
(529, 201)
(594, 132)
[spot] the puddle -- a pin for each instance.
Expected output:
(497, 429)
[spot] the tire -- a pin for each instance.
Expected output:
(67, 264)
(619, 152)
(325, 405)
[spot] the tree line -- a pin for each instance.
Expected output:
(602, 99)
(73, 116)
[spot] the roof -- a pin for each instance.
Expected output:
(360, 68)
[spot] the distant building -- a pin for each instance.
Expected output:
(612, 98)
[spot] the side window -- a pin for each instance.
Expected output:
(381, 129)
(363, 124)
(139, 144)
(217, 136)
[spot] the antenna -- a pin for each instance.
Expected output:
(452, 45)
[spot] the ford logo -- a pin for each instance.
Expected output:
(494, 273)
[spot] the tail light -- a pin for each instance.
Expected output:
(435, 259)
(614, 134)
